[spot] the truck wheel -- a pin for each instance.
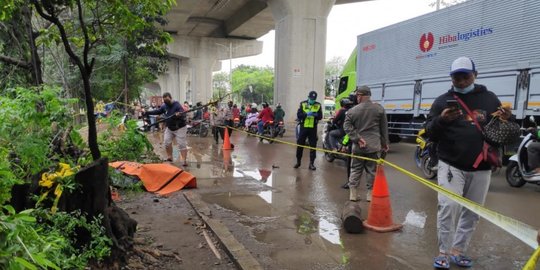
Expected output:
(513, 176)
(394, 138)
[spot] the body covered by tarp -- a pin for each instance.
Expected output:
(161, 178)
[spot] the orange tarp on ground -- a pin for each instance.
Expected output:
(161, 178)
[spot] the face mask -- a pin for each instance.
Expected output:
(464, 90)
(311, 101)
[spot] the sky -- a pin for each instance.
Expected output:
(345, 22)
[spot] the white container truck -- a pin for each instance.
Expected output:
(407, 64)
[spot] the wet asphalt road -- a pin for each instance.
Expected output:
(290, 218)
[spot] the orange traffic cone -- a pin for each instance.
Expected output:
(380, 210)
(226, 159)
(226, 141)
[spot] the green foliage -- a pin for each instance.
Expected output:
(125, 182)
(34, 239)
(15, 45)
(332, 71)
(8, 177)
(30, 119)
(254, 84)
(129, 144)
(221, 84)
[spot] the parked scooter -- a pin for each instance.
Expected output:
(518, 172)
(424, 155)
(198, 128)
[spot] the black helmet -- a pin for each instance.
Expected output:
(345, 102)
(352, 98)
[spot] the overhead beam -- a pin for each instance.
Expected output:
(244, 14)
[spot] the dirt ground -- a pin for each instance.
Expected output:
(170, 234)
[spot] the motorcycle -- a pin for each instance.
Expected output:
(518, 172)
(198, 128)
(252, 129)
(279, 129)
(424, 155)
(330, 157)
(268, 131)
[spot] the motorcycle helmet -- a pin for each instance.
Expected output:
(345, 102)
(352, 98)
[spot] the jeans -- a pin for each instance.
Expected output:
(334, 136)
(152, 122)
(260, 127)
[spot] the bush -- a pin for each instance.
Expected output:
(129, 144)
(29, 244)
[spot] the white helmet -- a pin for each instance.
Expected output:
(253, 105)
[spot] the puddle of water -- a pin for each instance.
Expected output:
(265, 176)
(329, 231)
(270, 222)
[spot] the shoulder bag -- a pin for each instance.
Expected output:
(489, 153)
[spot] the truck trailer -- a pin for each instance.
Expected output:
(407, 64)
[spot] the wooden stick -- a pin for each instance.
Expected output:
(211, 245)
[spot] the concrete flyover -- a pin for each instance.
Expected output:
(206, 31)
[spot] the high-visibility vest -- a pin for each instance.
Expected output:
(345, 140)
(309, 121)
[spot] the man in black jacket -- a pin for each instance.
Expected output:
(461, 168)
(176, 126)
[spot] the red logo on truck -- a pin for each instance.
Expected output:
(426, 42)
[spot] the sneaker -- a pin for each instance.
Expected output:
(312, 167)
(297, 165)
(368, 195)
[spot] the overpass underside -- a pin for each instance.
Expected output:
(207, 31)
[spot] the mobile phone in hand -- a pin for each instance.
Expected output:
(452, 103)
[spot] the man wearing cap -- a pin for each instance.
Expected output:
(309, 114)
(460, 143)
(367, 128)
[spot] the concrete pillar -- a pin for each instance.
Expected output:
(300, 50)
(196, 59)
(184, 79)
(201, 83)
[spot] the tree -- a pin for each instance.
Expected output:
(84, 28)
(19, 60)
(220, 84)
(332, 70)
(96, 24)
(254, 84)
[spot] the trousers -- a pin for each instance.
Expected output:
(311, 135)
(472, 185)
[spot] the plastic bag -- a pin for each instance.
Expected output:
(416, 219)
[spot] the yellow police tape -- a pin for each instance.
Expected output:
(526, 233)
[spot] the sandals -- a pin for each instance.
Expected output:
(461, 260)
(441, 262)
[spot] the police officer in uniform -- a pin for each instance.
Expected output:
(309, 114)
